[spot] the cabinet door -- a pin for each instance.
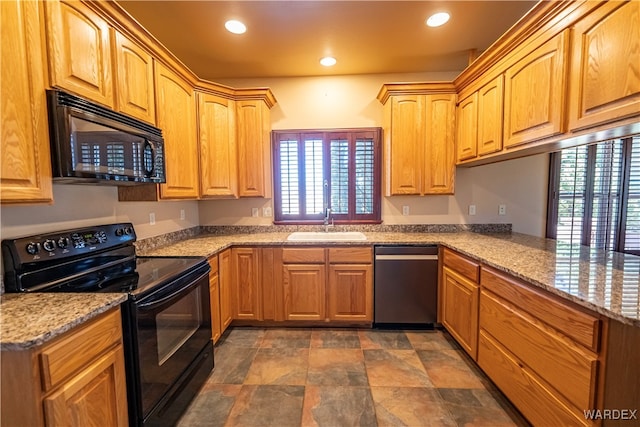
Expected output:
(439, 163)
(95, 396)
(304, 291)
(407, 142)
(535, 94)
(605, 69)
(350, 291)
(79, 50)
(134, 80)
(225, 278)
(177, 118)
(490, 105)
(460, 310)
(214, 297)
(25, 172)
(467, 137)
(254, 149)
(217, 132)
(246, 285)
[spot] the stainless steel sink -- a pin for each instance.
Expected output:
(321, 236)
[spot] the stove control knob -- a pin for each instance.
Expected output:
(101, 236)
(33, 248)
(128, 230)
(49, 245)
(119, 231)
(63, 242)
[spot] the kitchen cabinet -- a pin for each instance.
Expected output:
(538, 350)
(246, 289)
(605, 66)
(79, 50)
(419, 137)
(303, 283)
(490, 107)
(467, 126)
(25, 172)
(75, 380)
(218, 157)
(460, 294)
(535, 93)
(254, 148)
(225, 280)
(350, 284)
(176, 116)
(214, 298)
(134, 79)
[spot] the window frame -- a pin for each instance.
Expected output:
(553, 199)
(350, 134)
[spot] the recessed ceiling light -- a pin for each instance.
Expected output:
(438, 19)
(328, 61)
(235, 27)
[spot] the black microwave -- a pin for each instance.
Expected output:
(93, 144)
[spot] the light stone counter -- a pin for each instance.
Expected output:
(605, 282)
(29, 320)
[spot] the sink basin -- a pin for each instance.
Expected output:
(320, 236)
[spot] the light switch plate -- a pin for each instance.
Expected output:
(266, 211)
(152, 218)
(405, 210)
(472, 209)
(182, 215)
(254, 212)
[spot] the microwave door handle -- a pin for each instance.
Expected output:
(148, 172)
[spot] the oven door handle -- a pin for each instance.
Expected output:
(150, 303)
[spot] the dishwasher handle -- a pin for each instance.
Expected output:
(406, 257)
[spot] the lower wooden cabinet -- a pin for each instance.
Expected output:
(246, 295)
(225, 275)
(304, 291)
(350, 291)
(76, 380)
(214, 298)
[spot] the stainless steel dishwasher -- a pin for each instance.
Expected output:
(406, 286)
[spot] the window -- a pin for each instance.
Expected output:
(594, 195)
(337, 169)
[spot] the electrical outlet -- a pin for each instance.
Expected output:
(266, 211)
(472, 209)
(182, 215)
(152, 218)
(405, 210)
(502, 209)
(254, 212)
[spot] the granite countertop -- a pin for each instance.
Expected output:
(605, 282)
(29, 320)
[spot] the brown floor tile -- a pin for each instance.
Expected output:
(243, 337)
(232, 364)
(410, 406)
(447, 369)
(335, 338)
(377, 339)
(475, 407)
(267, 405)
(286, 366)
(338, 406)
(211, 406)
(286, 338)
(428, 340)
(336, 367)
(395, 368)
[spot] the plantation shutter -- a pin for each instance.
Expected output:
(632, 209)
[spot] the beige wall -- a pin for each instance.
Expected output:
(350, 101)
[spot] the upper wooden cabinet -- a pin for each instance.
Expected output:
(134, 79)
(218, 157)
(535, 93)
(605, 67)
(79, 42)
(419, 127)
(467, 138)
(25, 175)
(490, 106)
(176, 114)
(254, 148)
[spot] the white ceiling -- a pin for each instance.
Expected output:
(287, 38)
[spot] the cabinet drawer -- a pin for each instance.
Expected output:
(565, 366)
(64, 357)
(462, 265)
(302, 255)
(537, 402)
(213, 262)
(580, 326)
(356, 255)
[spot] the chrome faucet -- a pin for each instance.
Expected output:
(327, 215)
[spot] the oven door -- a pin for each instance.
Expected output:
(172, 325)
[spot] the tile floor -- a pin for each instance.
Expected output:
(346, 377)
